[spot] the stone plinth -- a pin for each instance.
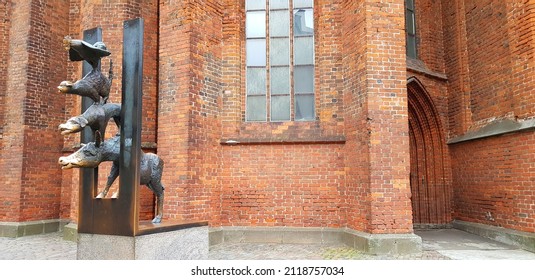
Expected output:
(178, 241)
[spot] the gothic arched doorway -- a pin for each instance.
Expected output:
(428, 179)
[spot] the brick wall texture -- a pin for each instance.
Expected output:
(376, 158)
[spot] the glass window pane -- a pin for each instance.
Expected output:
(304, 79)
(409, 22)
(255, 24)
(256, 52)
(304, 107)
(256, 81)
(256, 108)
(279, 23)
(303, 22)
(303, 50)
(280, 108)
(278, 4)
(280, 80)
(411, 46)
(279, 51)
(255, 5)
(303, 3)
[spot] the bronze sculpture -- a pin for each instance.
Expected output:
(80, 50)
(92, 154)
(94, 85)
(96, 117)
(97, 87)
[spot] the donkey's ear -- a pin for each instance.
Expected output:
(82, 121)
(98, 138)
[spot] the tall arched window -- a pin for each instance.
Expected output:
(280, 60)
(410, 29)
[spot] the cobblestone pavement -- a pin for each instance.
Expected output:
(52, 247)
(247, 251)
(437, 245)
(49, 246)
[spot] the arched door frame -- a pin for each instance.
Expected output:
(430, 187)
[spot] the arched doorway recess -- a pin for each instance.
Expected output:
(431, 197)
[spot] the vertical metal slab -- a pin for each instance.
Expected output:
(88, 176)
(121, 216)
(131, 109)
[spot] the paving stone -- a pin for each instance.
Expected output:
(438, 245)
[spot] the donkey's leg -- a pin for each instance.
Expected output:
(158, 189)
(114, 173)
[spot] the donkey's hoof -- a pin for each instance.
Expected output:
(115, 195)
(157, 220)
(100, 196)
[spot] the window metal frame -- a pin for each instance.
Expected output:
(291, 66)
(411, 38)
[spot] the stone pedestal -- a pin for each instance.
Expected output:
(175, 242)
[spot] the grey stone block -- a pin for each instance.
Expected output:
(215, 236)
(383, 244)
(19, 229)
(378, 244)
(302, 236)
(233, 236)
(51, 226)
(33, 228)
(105, 247)
(276, 235)
(70, 232)
(262, 236)
(9, 230)
(183, 244)
(331, 236)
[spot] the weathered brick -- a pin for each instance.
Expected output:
(375, 159)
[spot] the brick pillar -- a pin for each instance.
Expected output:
(188, 125)
(356, 127)
(31, 143)
(377, 117)
(5, 10)
(386, 87)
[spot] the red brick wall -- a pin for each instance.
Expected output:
(428, 118)
(5, 10)
(489, 58)
(32, 144)
(13, 137)
(189, 96)
(430, 34)
(356, 191)
(254, 198)
(386, 89)
(521, 37)
(493, 181)
(490, 70)
(456, 60)
(376, 117)
(194, 101)
(279, 185)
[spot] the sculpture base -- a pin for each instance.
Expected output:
(172, 241)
